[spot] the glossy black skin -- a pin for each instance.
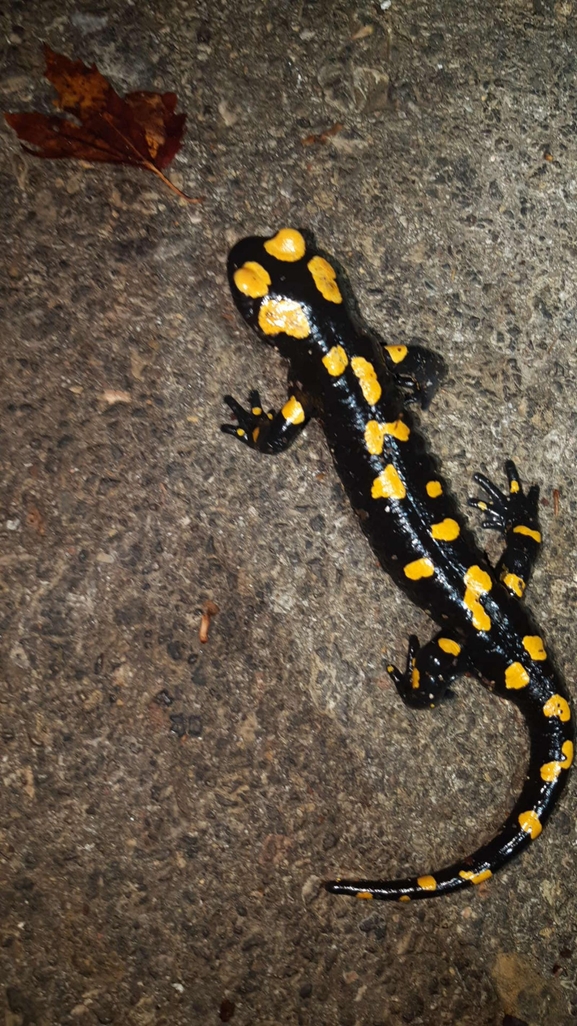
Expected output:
(399, 531)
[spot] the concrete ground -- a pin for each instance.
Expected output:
(169, 808)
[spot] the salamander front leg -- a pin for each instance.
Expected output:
(516, 516)
(417, 370)
(430, 670)
(271, 432)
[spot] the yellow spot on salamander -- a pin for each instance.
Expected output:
(255, 434)
(367, 376)
(477, 582)
(419, 568)
(516, 676)
(335, 361)
(374, 437)
(324, 277)
(445, 530)
(397, 353)
(405, 897)
(276, 315)
(515, 584)
(252, 280)
(398, 429)
(287, 245)
(240, 432)
(533, 644)
(434, 489)
(364, 895)
(529, 822)
(388, 485)
(535, 535)
(293, 412)
(551, 770)
(514, 487)
(475, 878)
(449, 646)
(557, 706)
(375, 434)
(256, 411)
(428, 883)
(415, 678)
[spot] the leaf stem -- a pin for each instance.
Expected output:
(144, 162)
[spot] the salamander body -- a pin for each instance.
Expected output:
(360, 391)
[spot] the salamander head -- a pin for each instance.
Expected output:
(286, 290)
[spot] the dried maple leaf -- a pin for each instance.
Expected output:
(141, 128)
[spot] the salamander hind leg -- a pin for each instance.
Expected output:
(429, 672)
(271, 432)
(516, 516)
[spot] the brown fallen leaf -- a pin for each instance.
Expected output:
(140, 129)
(322, 137)
(209, 610)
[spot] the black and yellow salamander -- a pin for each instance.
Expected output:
(360, 390)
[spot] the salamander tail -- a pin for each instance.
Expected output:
(551, 756)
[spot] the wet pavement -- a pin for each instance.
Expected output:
(168, 808)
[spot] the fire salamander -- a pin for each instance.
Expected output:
(359, 390)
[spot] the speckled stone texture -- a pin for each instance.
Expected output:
(167, 809)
